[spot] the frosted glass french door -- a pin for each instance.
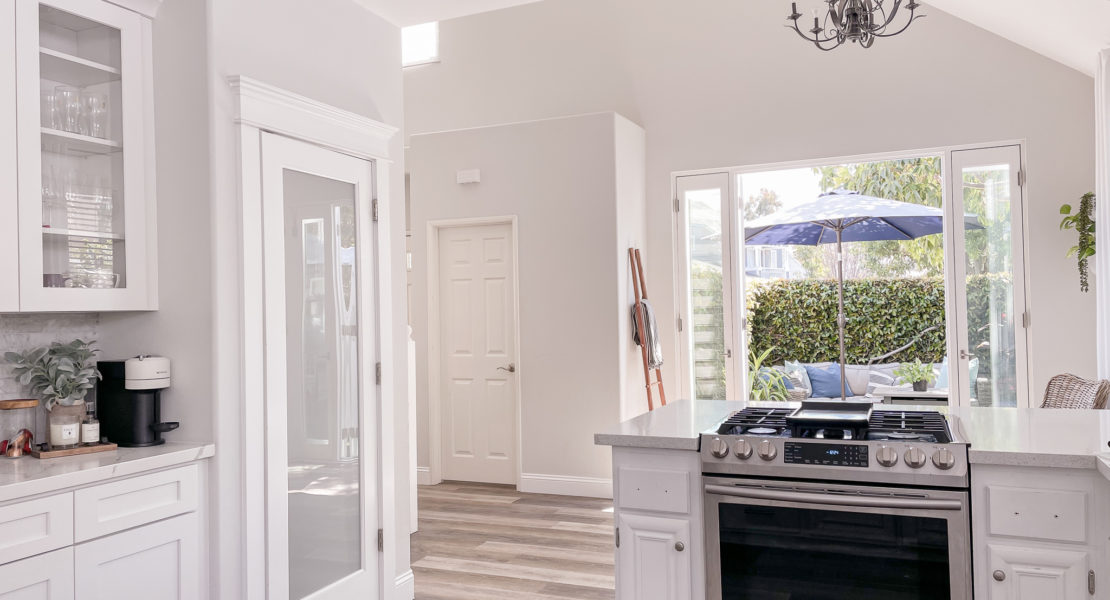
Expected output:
(322, 464)
(714, 357)
(989, 361)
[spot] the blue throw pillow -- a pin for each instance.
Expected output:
(826, 381)
(765, 374)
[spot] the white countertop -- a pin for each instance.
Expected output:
(1034, 437)
(28, 476)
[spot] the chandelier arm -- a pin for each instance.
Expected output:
(904, 27)
(807, 38)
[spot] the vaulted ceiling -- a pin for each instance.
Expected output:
(414, 12)
(1068, 31)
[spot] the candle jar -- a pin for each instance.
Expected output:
(65, 431)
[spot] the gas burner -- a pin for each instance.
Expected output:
(903, 435)
(762, 431)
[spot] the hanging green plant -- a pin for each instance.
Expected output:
(1083, 222)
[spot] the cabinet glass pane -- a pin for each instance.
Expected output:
(81, 116)
(323, 391)
(991, 322)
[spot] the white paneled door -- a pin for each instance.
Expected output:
(322, 461)
(478, 343)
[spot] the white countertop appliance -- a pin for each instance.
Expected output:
(128, 400)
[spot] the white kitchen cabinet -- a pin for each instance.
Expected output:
(83, 196)
(654, 557)
(1026, 573)
(159, 560)
(44, 577)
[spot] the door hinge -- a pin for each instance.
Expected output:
(728, 352)
(676, 203)
(678, 321)
(378, 373)
(374, 209)
(381, 540)
(618, 530)
(1021, 177)
(1091, 582)
(1026, 319)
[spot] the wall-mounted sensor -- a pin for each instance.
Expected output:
(469, 176)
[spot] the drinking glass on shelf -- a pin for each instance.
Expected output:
(94, 114)
(49, 110)
(69, 107)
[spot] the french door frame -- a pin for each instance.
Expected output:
(736, 376)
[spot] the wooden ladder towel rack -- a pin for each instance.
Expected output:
(640, 290)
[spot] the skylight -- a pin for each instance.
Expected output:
(420, 44)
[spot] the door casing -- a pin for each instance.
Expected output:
(435, 364)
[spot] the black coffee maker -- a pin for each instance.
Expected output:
(129, 403)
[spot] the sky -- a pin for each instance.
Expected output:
(794, 186)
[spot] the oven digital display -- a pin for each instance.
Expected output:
(843, 455)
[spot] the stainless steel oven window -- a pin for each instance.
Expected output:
(814, 565)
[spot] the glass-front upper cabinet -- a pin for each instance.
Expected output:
(85, 143)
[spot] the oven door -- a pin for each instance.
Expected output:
(779, 540)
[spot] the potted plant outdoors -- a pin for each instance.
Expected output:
(917, 373)
(765, 383)
(61, 375)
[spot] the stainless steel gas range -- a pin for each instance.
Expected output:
(836, 500)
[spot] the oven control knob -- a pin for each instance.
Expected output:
(887, 456)
(915, 458)
(742, 449)
(944, 459)
(718, 448)
(767, 450)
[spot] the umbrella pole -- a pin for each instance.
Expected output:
(840, 311)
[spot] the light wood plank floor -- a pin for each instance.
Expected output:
(489, 542)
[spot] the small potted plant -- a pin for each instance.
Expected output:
(61, 375)
(917, 373)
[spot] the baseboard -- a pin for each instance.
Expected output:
(423, 476)
(405, 586)
(564, 485)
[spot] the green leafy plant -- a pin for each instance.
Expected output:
(1082, 222)
(765, 383)
(913, 372)
(59, 374)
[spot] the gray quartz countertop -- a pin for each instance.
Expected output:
(1033, 437)
(28, 476)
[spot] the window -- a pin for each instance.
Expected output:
(420, 44)
(953, 297)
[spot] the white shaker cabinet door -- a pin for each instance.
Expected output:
(44, 577)
(1035, 573)
(653, 558)
(159, 560)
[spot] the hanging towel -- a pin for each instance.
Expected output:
(654, 350)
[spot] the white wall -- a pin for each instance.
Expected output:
(565, 180)
(339, 53)
(718, 84)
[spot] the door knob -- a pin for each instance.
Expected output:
(511, 368)
(679, 546)
(999, 575)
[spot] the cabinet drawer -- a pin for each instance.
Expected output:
(43, 577)
(1057, 515)
(35, 526)
(120, 505)
(654, 489)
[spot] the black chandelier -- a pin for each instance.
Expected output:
(858, 21)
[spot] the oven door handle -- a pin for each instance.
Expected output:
(836, 499)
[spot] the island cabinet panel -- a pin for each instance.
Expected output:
(1019, 573)
(35, 526)
(1039, 532)
(44, 577)
(659, 524)
(160, 560)
(656, 565)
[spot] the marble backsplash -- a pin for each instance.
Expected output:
(19, 333)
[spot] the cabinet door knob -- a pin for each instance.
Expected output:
(999, 575)
(679, 546)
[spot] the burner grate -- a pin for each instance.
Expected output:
(890, 421)
(756, 417)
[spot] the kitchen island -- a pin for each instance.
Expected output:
(1040, 499)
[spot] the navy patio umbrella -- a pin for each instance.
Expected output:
(843, 216)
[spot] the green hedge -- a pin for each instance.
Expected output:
(798, 317)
